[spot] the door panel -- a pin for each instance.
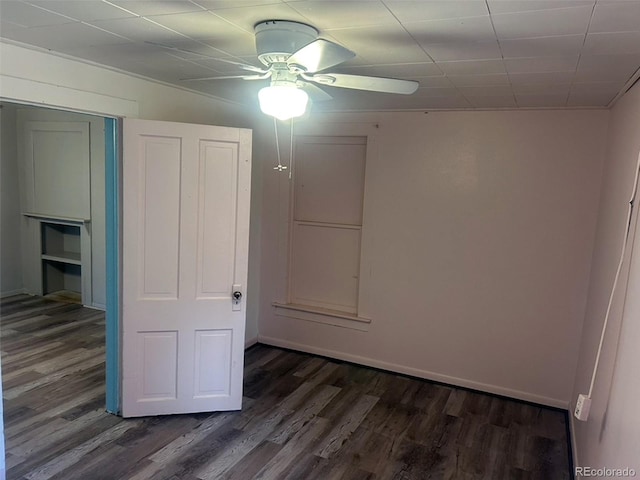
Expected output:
(185, 247)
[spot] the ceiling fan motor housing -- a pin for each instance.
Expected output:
(276, 40)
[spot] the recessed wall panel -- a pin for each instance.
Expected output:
(325, 266)
(160, 225)
(212, 363)
(60, 158)
(159, 352)
(217, 218)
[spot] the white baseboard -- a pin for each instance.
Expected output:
(415, 372)
(250, 342)
(11, 293)
(97, 306)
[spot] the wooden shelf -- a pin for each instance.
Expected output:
(61, 257)
(72, 258)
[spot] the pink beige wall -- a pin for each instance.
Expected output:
(480, 234)
(611, 436)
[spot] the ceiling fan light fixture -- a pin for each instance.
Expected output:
(283, 101)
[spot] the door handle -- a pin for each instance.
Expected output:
(237, 296)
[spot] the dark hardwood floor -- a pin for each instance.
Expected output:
(303, 417)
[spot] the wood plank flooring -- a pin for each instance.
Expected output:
(303, 417)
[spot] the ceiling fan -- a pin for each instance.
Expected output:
(295, 59)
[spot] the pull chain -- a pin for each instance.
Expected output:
(279, 167)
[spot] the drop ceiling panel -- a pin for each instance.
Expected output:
(621, 16)
(612, 43)
(61, 38)
(542, 46)
(84, 10)
(381, 44)
(456, 30)
(413, 11)
(155, 7)
(246, 18)
(137, 29)
(541, 78)
(542, 23)
(511, 6)
(445, 52)
(479, 80)
(465, 53)
(333, 14)
(497, 101)
(550, 101)
(541, 64)
(469, 67)
(26, 15)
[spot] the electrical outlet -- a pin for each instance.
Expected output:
(582, 407)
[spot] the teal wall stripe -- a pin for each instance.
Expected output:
(112, 175)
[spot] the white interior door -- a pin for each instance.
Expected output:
(185, 229)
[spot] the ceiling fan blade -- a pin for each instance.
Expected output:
(226, 77)
(320, 54)
(243, 66)
(315, 93)
(361, 82)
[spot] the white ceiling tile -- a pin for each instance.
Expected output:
(247, 17)
(205, 25)
(542, 46)
(219, 64)
(542, 89)
(471, 67)
(511, 6)
(607, 68)
(61, 38)
(541, 78)
(121, 54)
(486, 90)
(479, 80)
(492, 101)
(400, 70)
(457, 30)
(616, 42)
(439, 81)
(436, 92)
(616, 17)
(28, 15)
(525, 100)
(413, 11)
(542, 23)
(597, 87)
(155, 7)
(592, 99)
(444, 52)
(325, 14)
(137, 28)
(85, 10)
(381, 44)
(541, 64)
(222, 4)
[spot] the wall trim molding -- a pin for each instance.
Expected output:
(22, 90)
(415, 372)
(10, 293)
(250, 342)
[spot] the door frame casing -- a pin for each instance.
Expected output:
(112, 129)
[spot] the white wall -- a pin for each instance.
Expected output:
(11, 281)
(34, 76)
(481, 227)
(611, 436)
